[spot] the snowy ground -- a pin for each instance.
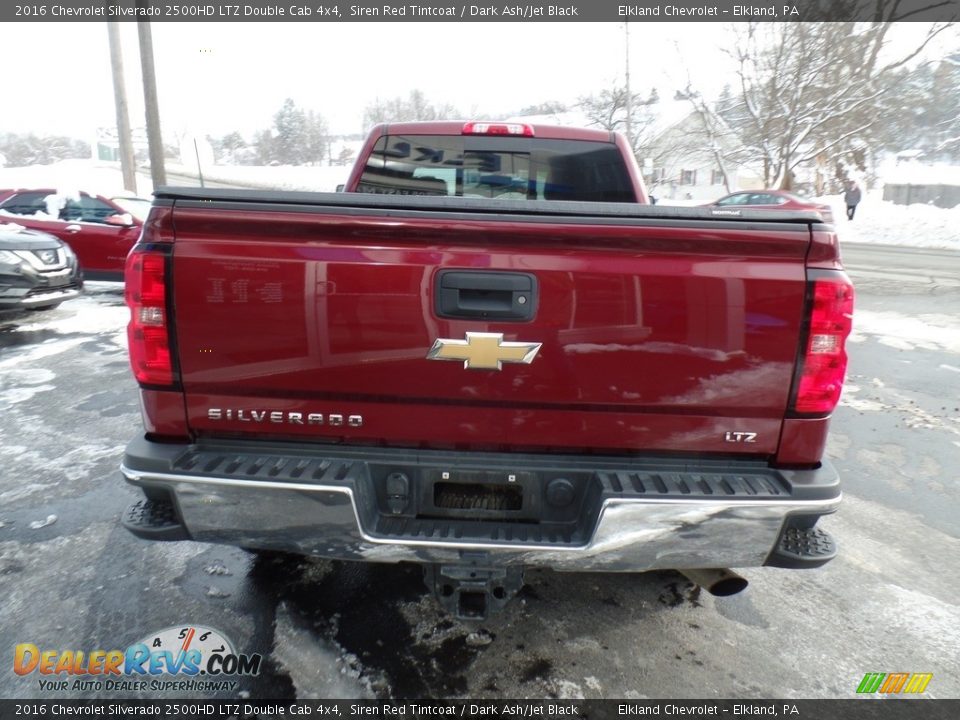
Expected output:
(876, 221)
(887, 603)
(69, 175)
(107, 180)
(879, 222)
(274, 177)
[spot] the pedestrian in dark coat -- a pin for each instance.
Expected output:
(852, 198)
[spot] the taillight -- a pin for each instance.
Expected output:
(488, 128)
(824, 360)
(148, 332)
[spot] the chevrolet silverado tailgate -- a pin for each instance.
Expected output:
(376, 321)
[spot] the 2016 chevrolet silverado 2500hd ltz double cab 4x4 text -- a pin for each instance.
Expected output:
(489, 353)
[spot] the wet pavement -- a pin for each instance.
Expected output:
(72, 578)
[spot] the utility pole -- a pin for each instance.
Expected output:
(196, 152)
(127, 165)
(157, 171)
(626, 29)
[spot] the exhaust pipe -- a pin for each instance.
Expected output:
(716, 581)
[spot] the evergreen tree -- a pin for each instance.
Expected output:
(291, 136)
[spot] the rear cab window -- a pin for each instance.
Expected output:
(498, 167)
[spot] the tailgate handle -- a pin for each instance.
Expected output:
(486, 295)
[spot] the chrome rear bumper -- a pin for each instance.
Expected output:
(327, 502)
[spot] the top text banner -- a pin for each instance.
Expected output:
(444, 10)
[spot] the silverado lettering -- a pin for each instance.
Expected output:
(629, 387)
(279, 417)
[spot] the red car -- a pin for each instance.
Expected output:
(773, 200)
(98, 229)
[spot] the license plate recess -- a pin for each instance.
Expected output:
(480, 494)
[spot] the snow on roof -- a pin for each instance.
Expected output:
(915, 173)
(667, 114)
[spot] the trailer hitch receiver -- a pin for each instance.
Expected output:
(473, 592)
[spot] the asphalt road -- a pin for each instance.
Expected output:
(72, 578)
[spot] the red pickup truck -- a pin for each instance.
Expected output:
(489, 353)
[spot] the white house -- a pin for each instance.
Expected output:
(685, 161)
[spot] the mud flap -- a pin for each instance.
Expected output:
(473, 592)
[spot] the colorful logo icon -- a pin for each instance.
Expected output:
(892, 683)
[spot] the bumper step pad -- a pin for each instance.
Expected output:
(154, 520)
(803, 548)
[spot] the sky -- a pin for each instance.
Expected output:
(220, 77)
(214, 78)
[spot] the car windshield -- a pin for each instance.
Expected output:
(515, 168)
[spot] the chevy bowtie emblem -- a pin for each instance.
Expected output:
(484, 351)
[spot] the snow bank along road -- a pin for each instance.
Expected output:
(72, 578)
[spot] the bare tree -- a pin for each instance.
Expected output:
(608, 109)
(549, 107)
(809, 91)
(406, 109)
(945, 110)
(715, 137)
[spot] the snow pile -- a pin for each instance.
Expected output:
(99, 310)
(928, 331)
(273, 177)
(885, 223)
(71, 175)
